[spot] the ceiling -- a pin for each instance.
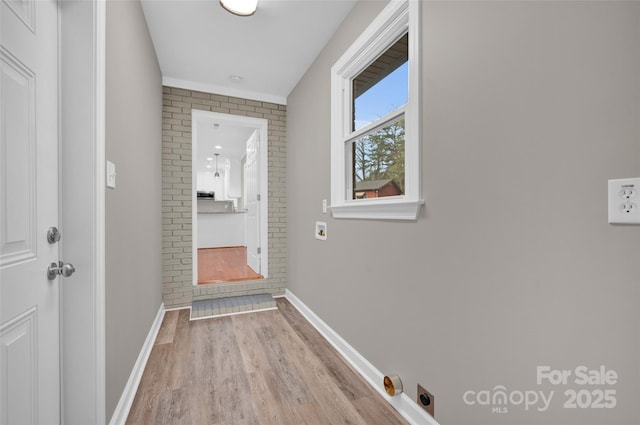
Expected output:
(200, 45)
(225, 137)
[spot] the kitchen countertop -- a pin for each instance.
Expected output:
(211, 206)
(214, 212)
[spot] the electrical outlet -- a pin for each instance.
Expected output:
(426, 400)
(624, 197)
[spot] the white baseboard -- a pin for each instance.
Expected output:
(128, 394)
(403, 404)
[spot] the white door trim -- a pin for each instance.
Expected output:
(82, 124)
(100, 40)
(262, 125)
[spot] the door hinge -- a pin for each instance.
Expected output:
(259, 250)
(258, 196)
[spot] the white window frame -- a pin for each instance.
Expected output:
(398, 18)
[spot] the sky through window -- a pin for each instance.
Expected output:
(387, 95)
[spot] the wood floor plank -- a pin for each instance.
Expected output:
(181, 374)
(200, 412)
(289, 379)
(168, 328)
(330, 405)
(227, 376)
(331, 401)
(173, 408)
(341, 371)
(270, 404)
(375, 412)
(311, 414)
(152, 385)
(267, 368)
(354, 387)
(253, 355)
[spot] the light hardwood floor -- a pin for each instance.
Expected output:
(262, 368)
(228, 264)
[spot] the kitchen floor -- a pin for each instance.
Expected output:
(228, 264)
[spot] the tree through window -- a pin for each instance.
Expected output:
(379, 90)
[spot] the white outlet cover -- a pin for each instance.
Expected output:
(624, 201)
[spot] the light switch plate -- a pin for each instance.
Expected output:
(111, 175)
(624, 201)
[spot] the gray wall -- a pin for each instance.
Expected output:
(528, 109)
(133, 209)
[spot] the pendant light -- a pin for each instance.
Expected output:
(240, 7)
(217, 174)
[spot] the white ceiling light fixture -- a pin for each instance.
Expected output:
(240, 7)
(217, 173)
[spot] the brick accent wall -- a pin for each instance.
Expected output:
(177, 237)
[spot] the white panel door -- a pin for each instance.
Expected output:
(252, 185)
(29, 301)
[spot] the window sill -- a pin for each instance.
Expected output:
(404, 210)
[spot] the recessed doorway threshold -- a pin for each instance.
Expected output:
(219, 307)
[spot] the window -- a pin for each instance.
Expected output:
(375, 131)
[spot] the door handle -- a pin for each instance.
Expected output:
(64, 269)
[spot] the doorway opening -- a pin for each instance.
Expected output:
(230, 198)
